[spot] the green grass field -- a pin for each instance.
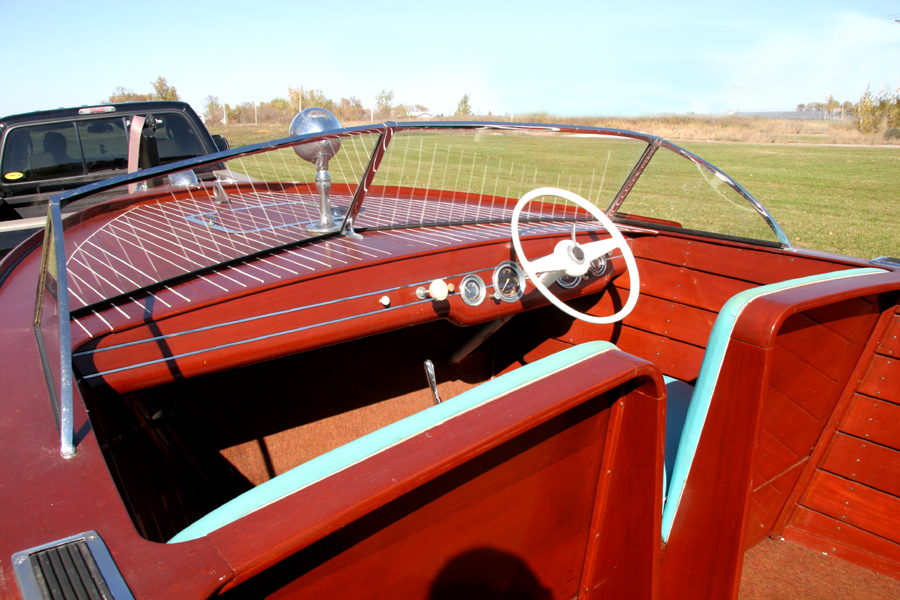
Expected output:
(841, 199)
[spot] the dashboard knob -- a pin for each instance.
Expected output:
(438, 289)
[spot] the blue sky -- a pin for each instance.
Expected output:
(564, 57)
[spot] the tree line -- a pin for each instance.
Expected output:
(830, 106)
(162, 90)
(874, 112)
(871, 113)
(283, 110)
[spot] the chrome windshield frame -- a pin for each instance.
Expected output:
(756, 204)
(54, 229)
(55, 252)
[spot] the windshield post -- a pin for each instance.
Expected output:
(53, 336)
(369, 174)
(633, 177)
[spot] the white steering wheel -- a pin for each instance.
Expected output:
(571, 258)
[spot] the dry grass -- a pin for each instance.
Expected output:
(738, 129)
(732, 128)
(749, 130)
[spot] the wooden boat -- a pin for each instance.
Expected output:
(438, 360)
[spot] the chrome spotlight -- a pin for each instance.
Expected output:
(315, 120)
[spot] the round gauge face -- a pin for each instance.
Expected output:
(509, 281)
(598, 266)
(568, 282)
(472, 290)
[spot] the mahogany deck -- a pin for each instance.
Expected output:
(684, 284)
(187, 231)
(816, 353)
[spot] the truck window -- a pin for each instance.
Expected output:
(50, 151)
(104, 143)
(176, 138)
(42, 152)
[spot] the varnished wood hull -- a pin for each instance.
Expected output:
(195, 393)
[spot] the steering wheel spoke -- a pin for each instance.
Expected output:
(558, 261)
(594, 250)
(574, 259)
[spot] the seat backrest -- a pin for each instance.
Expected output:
(710, 372)
(550, 473)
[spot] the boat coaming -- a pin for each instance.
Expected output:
(172, 374)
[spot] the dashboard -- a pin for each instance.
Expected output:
(466, 285)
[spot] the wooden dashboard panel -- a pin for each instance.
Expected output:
(305, 314)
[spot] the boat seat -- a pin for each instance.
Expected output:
(349, 454)
(678, 398)
(687, 406)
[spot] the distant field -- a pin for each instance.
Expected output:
(836, 198)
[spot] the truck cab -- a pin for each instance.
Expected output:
(43, 153)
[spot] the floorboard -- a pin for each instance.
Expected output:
(775, 569)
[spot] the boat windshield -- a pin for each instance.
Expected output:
(275, 195)
(678, 190)
(166, 226)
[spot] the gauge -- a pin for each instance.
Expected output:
(598, 266)
(509, 281)
(472, 290)
(568, 282)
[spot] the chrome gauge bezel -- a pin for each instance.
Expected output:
(481, 294)
(568, 281)
(598, 266)
(519, 275)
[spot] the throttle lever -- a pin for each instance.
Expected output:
(432, 382)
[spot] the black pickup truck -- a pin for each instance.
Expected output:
(46, 152)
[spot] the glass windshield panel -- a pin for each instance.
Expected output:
(42, 152)
(465, 176)
(181, 224)
(47, 310)
(104, 143)
(677, 192)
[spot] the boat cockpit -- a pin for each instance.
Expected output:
(334, 298)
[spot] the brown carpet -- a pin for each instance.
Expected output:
(776, 569)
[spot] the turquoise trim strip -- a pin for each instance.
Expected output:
(359, 449)
(709, 374)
